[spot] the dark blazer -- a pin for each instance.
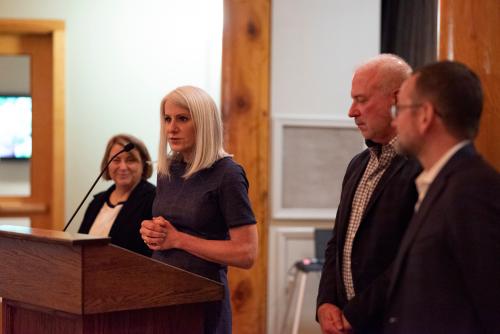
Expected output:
(125, 229)
(380, 232)
(446, 277)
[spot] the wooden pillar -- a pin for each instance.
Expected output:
(469, 33)
(245, 112)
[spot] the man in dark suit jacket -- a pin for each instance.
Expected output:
(377, 199)
(446, 276)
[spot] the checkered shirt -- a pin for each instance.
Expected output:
(379, 161)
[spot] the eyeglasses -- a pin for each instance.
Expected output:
(396, 109)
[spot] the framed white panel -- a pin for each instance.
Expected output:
(310, 156)
(287, 245)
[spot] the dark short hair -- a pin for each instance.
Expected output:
(123, 139)
(455, 90)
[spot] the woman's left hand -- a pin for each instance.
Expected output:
(159, 234)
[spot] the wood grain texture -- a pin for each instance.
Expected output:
(25, 319)
(117, 279)
(245, 112)
(87, 276)
(42, 274)
(185, 319)
(469, 33)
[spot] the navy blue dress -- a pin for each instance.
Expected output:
(206, 205)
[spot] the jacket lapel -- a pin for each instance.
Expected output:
(129, 209)
(415, 224)
(420, 217)
(396, 164)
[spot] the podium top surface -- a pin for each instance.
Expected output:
(51, 236)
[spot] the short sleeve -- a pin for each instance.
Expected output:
(233, 197)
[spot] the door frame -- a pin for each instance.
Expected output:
(43, 41)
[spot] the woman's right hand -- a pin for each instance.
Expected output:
(153, 233)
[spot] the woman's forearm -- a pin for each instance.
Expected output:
(240, 251)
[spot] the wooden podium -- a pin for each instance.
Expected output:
(61, 282)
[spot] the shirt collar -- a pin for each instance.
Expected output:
(427, 176)
(380, 150)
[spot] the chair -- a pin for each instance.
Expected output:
(302, 268)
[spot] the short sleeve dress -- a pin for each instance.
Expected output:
(205, 205)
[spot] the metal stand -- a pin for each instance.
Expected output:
(303, 267)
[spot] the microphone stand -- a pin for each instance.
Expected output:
(126, 148)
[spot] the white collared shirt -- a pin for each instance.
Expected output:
(424, 180)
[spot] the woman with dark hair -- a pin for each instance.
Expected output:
(119, 211)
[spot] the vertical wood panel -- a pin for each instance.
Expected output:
(58, 130)
(40, 48)
(469, 33)
(245, 112)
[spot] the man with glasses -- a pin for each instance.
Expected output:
(446, 276)
(377, 201)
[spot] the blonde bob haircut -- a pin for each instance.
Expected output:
(207, 125)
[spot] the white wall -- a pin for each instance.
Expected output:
(316, 45)
(122, 57)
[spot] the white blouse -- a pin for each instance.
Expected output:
(105, 219)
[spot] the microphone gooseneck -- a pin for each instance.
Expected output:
(127, 148)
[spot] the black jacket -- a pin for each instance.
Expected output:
(377, 239)
(125, 229)
(446, 276)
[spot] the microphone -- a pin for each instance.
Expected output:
(127, 148)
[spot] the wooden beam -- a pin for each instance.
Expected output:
(468, 32)
(245, 112)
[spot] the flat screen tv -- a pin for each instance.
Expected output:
(15, 127)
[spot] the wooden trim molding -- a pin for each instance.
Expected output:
(43, 41)
(21, 208)
(18, 26)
